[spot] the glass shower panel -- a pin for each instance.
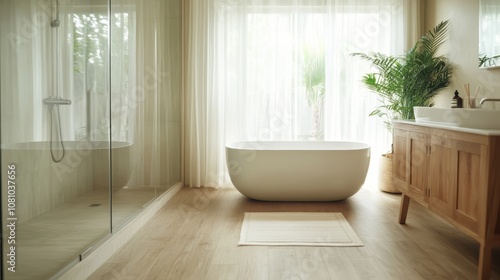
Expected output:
(54, 133)
(172, 99)
(128, 94)
(146, 102)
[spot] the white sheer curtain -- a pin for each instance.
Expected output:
(72, 62)
(50, 61)
(140, 76)
(245, 74)
(26, 50)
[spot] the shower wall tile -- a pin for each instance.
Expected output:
(98, 163)
(43, 185)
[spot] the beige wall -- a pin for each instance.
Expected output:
(462, 48)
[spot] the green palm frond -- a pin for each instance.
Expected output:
(485, 61)
(314, 76)
(435, 37)
(413, 79)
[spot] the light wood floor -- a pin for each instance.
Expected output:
(195, 236)
(50, 241)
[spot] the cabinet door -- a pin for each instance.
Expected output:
(399, 164)
(468, 185)
(418, 165)
(440, 179)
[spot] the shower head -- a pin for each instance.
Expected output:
(55, 23)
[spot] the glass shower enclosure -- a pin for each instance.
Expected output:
(89, 124)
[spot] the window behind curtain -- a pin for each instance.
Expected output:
(244, 74)
(273, 42)
(89, 39)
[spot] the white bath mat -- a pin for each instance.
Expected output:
(297, 228)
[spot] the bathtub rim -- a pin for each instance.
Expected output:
(313, 145)
(68, 144)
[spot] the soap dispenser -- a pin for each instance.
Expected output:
(456, 101)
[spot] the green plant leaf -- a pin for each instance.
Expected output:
(412, 79)
(314, 76)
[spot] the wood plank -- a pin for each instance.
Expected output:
(468, 186)
(440, 181)
(400, 161)
(493, 228)
(418, 181)
(180, 244)
(403, 211)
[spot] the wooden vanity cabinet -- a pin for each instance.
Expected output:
(400, 173)
(455, 175)
(440, 178)
(419, 170)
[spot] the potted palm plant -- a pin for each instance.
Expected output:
(403, 82)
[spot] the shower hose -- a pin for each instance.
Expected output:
(52, 112)
(55, 24)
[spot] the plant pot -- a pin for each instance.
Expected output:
(385, 181)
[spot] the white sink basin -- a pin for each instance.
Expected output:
(458, 117)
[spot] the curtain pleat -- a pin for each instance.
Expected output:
(246, 71)
(72, 62)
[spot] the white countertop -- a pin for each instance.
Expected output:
(488, 132)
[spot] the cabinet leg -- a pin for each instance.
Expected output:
(484, 266)
(403, 209)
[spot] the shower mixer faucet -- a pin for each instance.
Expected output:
(56, 101)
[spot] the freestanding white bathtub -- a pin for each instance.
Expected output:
(298, 170)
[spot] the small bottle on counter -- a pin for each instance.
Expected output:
(456, 101)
